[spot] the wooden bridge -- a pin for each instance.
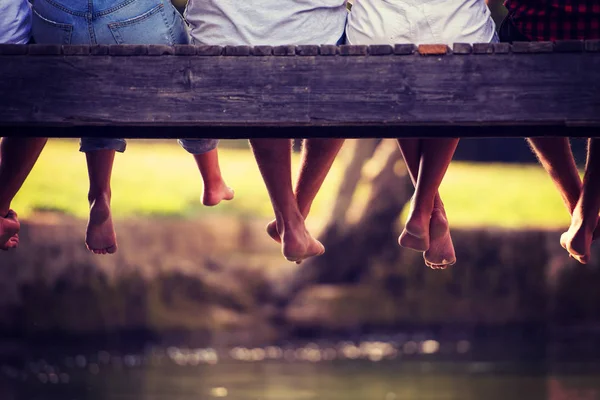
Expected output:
(483, 90)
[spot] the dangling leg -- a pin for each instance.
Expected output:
(578, 239)
(17, 158)
(100, 235)
(207, 158)
(317, 158)
(440, 252)
(273, 157)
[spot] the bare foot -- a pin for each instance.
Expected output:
(441, 250)
(100, 237)
(416, 232)
(578, 240)
(297, 244)
(9, 231)
(273, 232)
(214, 193)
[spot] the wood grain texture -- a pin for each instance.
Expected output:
(554, 89)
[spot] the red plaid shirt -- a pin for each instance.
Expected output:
(541, 20)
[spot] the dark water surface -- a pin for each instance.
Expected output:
(342, 371)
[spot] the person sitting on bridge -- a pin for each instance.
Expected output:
(548, 20)
(17, 155)
(424, 22)
(276, 22)
(106, 22)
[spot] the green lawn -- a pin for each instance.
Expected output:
(160, 178)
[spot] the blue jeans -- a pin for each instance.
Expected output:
(113, 22)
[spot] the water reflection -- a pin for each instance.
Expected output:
(385, 370)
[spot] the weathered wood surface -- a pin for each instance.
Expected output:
(356, 91)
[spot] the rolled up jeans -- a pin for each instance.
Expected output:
(113, 22)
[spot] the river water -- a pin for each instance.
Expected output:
(369, 370)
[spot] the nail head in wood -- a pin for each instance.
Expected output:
(568, 46)
(185, 50)
(287, 50)
(592, 46)
(354, 50)
(462, 48)
(45, 49)
(207, 50)
(328, 50)
(404, 49)
(160, 50)
(380, 49)
(307, 50)
(127, 49)
(501, 48)
(13, 49)
(237, 51)
(99, 50)
(433, 49)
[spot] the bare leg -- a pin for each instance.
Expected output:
(436, 155)
(317, 158)
(273, 157)
(556, 157)
(100, 236)
(578, 239)
(440, 252)
(17, 158)
(215, 188)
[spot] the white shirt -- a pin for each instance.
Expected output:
(266, 22)
(15, 21)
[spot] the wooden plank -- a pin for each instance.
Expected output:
(483, 48)
(288, 50)
(245, 132)
(511, 89)
(404, 49)
(207, 50)
(380, 50)
(45, 49)
(236, 51)
(592, 46)
(432, 49)
(354, 50)
(185, 50)
(160, 50)
(262, 51)
(76, 50)
(533, 47)
(307, 50)
(462, 48)
(99, 50)
(8, 49)
(328, 50)
(502, 48)
(569, 46)
(127, 50)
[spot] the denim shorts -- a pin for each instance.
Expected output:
(113, 22)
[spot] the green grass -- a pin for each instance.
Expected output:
(160, 179)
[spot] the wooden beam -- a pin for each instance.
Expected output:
(497, 90)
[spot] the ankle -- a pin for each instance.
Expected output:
(95, 195)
